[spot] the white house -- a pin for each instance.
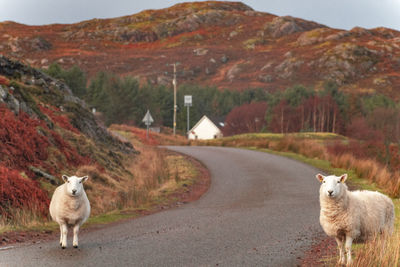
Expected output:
(205, 129)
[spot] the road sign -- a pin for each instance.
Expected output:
(148, 119)
(188, 100)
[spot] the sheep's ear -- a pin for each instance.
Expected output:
(343, 178)
(65, 178)
(84, 178)
(320, 177)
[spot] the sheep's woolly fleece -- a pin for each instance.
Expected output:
(70, 206)
(353, 215)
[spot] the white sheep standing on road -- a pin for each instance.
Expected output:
(352, 215)
(70, 207)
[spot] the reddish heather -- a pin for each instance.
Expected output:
(4, 81)
(61, 120)
(21, 141)
(142, 135)
(71, 154)
(20, 193)
(25, 141)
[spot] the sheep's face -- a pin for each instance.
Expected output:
(74, 184)
(332, 186)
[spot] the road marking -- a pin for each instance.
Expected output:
(5, 248)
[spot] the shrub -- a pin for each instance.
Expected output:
(60, 120)
(245, 119)
(21, 143)
(20, 193)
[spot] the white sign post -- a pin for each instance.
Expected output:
(148, 120)
(188, 103)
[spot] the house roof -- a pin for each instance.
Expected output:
(200, 121)
(218, 121)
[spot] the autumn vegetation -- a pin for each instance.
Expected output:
(370, 121)
(300, 100)
(46, 132)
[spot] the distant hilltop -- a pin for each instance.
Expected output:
(226, 44)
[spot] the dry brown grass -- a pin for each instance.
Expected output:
(22, 218)
(369, 169)
(379, 252)
(139, 135)
(150, 171)
(305, 147)
(150, 175)
(317, 148)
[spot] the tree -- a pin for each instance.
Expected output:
(116, 97)
(247, 118)
(97, 95)
(74, 77)
(76, 80)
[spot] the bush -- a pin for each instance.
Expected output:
(21, 143)
(19, 193)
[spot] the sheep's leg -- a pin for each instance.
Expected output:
(347, 245)
(64, 233)
(61, 235)
(342, 258)
(76, 232)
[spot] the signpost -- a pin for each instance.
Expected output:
(148, 120)
(188, 103)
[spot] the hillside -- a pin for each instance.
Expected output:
(226, 44)
(46, 131)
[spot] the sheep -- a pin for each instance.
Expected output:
(352, 215)
(70, 207)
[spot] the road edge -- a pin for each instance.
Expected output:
(178, 198)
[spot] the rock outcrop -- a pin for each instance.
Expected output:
(30, 84)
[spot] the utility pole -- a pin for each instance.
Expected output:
(175, 106)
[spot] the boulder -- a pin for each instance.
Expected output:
(312, 37)
(200, 51)
(265, 78)
(40, 44)
(346, 61)
(337, 36)
(224, 58)
(286, 25)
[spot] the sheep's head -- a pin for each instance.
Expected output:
(74, 184)
(332, 186)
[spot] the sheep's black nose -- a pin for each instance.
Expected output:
(73, 191)
(330, 192)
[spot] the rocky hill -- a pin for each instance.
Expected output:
(46, 131)
(226, 44)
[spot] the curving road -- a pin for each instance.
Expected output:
(261, 210)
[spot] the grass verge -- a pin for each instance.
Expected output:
(158, 179)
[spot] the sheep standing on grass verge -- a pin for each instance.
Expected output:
(70, 207)
(352, 215)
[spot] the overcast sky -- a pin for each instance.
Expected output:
(343, 14)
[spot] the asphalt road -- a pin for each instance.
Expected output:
(260, 210)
